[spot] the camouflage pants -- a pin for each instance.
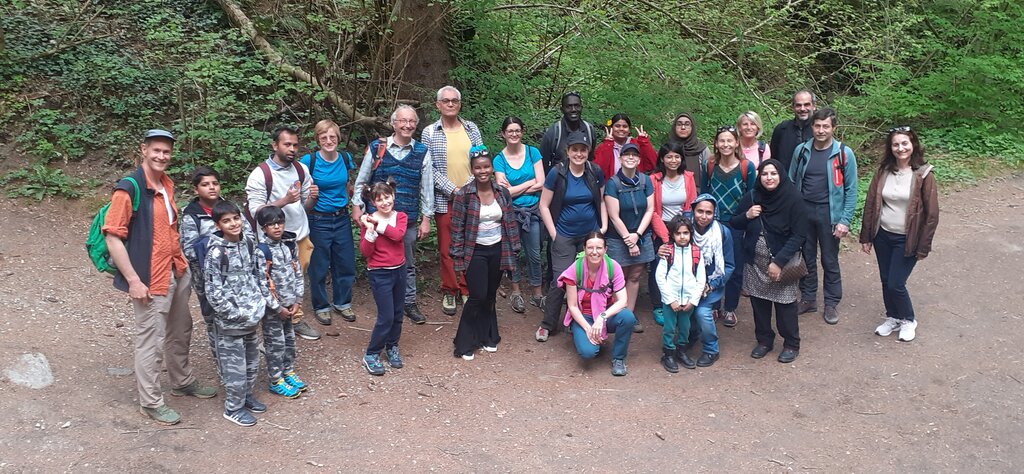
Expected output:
(207, 311)
(279, 344)
(238, 360)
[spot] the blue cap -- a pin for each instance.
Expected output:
(157, 133)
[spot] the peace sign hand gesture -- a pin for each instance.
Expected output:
(640, 132)
(608, 133)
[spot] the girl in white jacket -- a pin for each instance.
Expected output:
(681, 281)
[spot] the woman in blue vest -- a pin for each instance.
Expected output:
(629, 198)
(330, 228)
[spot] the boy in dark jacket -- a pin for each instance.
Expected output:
(239, 300)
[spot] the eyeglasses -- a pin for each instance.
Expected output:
(900, 129)
(450, 101)
(727, 128)
(684, 124)
(273, 224)
(513, 132)
(405, 121)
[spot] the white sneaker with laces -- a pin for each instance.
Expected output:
(468, 356)
(491, 348)
(908, 330)
(888, 326)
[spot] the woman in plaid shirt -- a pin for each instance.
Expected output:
(485, 242)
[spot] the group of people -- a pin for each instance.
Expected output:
(580, 220)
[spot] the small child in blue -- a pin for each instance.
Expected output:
(284, 284)
(239, 300)
(681, 280)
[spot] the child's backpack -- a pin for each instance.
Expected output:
(96, 243)
(695, 253)
(607, 288)
(202, 249)
(264, 248)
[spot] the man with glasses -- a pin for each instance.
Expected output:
(553, 144)
(449, 140)
(791, 133)
(407, 163)
(825, 172)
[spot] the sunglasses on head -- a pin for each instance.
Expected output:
(901, 129)
(727, 128)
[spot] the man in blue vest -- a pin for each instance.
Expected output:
(408, 163)
(825, 172)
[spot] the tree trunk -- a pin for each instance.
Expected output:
(423, 58)
(242, 22)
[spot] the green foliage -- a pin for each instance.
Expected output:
(41, 181)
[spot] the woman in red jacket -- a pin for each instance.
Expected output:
(674, 192)
(616, 135)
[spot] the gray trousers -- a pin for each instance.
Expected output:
(279, 344)
(410, 263)
(238, 359)
(820, 235)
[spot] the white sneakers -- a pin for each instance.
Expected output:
(908, 329)
(887, 327)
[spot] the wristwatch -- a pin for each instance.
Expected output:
(603, 315)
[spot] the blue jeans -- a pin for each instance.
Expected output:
(531, 250)
(677, 327)
(621, 325)
(704, 324)
(333, 251)
(894, 270)
(388, 287)
(735, 284)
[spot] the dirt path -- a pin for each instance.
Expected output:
(949, 401)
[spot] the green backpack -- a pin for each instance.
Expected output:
(96, 243)
(579, 274)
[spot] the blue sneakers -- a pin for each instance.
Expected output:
(282, 388)
(240, 417)
(254, 405)
(373, 364)
(291, 378)
(394, 358)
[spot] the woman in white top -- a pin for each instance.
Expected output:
(485, 242)
(901, 212)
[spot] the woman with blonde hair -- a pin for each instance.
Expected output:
(750, 127)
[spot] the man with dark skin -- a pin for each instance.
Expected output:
(791, 133)
(552, 145)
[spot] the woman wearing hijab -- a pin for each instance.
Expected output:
(695, 152)
(775, 225)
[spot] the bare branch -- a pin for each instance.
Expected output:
(243, 23)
